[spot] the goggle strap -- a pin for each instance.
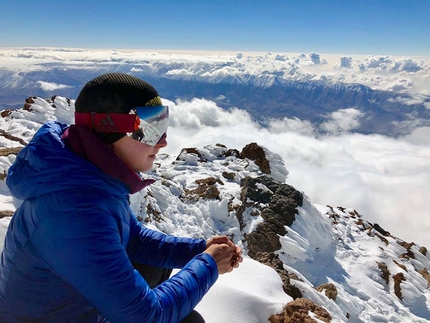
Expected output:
(106, 122)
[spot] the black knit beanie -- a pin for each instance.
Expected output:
(115, 93)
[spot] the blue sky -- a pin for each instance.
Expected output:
(392, 27)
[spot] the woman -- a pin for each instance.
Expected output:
(74, 251)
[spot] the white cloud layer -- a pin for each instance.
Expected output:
(402, 74)
(384, 179)
(49, 86)
(342, 121)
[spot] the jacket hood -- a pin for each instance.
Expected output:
(47, 165)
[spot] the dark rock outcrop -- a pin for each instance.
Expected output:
(256, 153)
(385, 272)
(277, 204)
(329, 289)
(206, 189)
(398, 279)
(298, 310)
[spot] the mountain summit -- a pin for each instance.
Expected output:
(324, 263)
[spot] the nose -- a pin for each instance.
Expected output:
(162, 142)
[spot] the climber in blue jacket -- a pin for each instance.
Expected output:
(74, 251)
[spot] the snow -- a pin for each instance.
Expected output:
(325, 244)
(249, 294)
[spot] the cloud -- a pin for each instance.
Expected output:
(346, 62)
(303, 127)
(49, 86)
(408, 65)
(401, 85)
(384, 179)
(419, 136)
(342, 121)
(417, 99)
(201, 113)
(222, 71)
(316, 58)
(400, 74)
(181, 72)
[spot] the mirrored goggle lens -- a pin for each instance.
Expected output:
(151, 124)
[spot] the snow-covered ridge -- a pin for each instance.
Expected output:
(333, 256)
(376, 276)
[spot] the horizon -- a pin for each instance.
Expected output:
(203, 52)
(356, 28)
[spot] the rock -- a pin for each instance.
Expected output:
(409, 254)
(191, 151)
(398, 278)
(6, 112)
(406, 245)
(256, 153)
(385, 272)
(329, 289)
(263, 239)
(232, 152)
(272, 260)
(378, 228)
(207, 189)
(400, 265)
(426, 275)
(298, 310)
(10, 151)
(28, 102)
(277, 204)
(423, 250)
(228, 175)
(12, 138)
(4, 214)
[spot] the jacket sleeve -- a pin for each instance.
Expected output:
(89, 254)
(161, 250)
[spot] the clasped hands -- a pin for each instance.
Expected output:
(225, 253)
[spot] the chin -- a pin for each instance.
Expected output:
(145, 168)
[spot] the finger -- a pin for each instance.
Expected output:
(238, 261)
(226, 240)
(230, 243)
(231, 249)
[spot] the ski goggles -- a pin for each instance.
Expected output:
(148, 124)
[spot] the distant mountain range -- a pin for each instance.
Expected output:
(265, 96)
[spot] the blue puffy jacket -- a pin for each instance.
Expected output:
(68, 250)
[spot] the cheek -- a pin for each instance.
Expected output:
(135, 154)
(142, 160)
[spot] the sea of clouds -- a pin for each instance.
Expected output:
(385, 179)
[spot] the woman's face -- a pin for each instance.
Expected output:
(137, 155)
